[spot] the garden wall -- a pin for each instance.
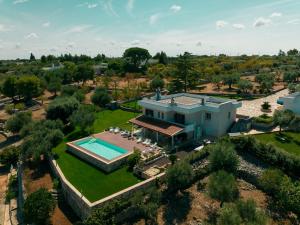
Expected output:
(81, 205)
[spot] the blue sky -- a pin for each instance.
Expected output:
(110, 26)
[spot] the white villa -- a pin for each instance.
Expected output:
(291, 102)
(178, 119)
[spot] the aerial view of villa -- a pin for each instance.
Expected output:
(141, 112)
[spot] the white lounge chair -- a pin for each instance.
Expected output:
(117, 130)
(146, 142)
(111, 129)
(154, 145)
(139, 140)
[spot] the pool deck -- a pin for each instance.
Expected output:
(118, 140)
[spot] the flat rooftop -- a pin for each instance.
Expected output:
(190, 99)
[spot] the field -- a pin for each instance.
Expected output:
(90, 181)
(287, 141)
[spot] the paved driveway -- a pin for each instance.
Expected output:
(252, 108)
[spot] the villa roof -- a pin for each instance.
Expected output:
(160, 126)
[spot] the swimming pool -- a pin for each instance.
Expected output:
(101, 148)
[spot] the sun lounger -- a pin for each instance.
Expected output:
(154, 145)
(117, 130)
(111, 129)
(139, 140)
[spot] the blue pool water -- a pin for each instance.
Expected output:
(101, 148)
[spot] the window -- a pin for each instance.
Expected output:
(162, 115)
(179, 118)
(149, 112)
(229, 115)
(208, 116)
(158, 114)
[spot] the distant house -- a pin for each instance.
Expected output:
(176, 119)
(53, 67)
(101, 68)
(291, 102)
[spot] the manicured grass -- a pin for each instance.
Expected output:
(287, 141)
(90, 181)
(132, 105)
(117, 118)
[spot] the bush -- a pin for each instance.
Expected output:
(84, 117)
(9, 109)
(101, 97)
(179, 176)
(15, 123)
(11, 192)
(157, 82)
(264, 119)
(9, 156)
(62, 108)
(223, 157)
(266, 106)
(268, 153)
(133, 159)
(38, 207)
(223, 187)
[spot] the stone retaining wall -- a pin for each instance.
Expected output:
(81, 205)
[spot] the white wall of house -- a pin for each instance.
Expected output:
(292, 103)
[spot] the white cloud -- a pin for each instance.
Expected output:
(175, 8)
(20, 1)
(275, 14)
(130, 5)
(136, 42)
(79, 29)
(4, 28)
(238, 26)
(261, 21)
(108, 8)
(92, 5)
(31, 36)
(294, 21)
(221, 23)
(154, 18)
(46, 24)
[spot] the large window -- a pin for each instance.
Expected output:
(179, 118)
(149, 112)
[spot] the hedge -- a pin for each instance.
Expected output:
(268, 153)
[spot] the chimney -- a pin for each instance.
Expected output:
(158, 95)
(202, 101)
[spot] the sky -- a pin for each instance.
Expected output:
(232, 27)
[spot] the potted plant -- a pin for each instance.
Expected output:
(266, 107)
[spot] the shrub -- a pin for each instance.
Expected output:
(268, 153)
(9, 109)
(9, 156)
(133, 159)
(264, 119)
(157, 82)
(62, 108)
(15, 123)
(179, 176)
(84, 117)
(266, 106)
(101, 97)
(38, 207)
(223, 157)
(223, 187)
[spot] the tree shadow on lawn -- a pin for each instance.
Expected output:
(177, 208)
(283, 138)
(77, 134)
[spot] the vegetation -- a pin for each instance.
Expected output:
(9, 156)
(223, 157)
(264, 119)
(101, 97)
(157, 82)
(83, 117)
(38, 207)
(283, 118)
(223, 187)
(133, 159)
(16, 122)
(62, 108)
(179, 176)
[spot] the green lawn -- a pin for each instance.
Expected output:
(132, 105)
(90, 181)
(288, 141)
